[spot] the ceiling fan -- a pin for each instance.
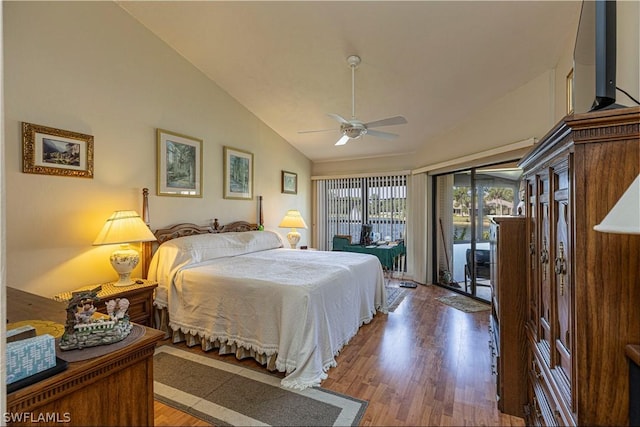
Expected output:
(354, 128)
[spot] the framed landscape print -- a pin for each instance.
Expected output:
(289, 182)
(51, 151)
(179, 165)
(238, 174)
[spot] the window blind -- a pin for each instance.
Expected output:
(345, 204)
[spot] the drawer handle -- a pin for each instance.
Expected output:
(536, 408)
(558, 417)
(561, 267)
(536, 369)
(544, 257)
(532, 245)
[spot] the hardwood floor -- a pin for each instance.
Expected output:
(425, 364)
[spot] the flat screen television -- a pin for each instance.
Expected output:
(594, 57)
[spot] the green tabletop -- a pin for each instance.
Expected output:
(386, 254)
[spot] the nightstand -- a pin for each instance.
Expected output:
(140, 298)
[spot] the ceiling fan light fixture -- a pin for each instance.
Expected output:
(343, 140)
(353, 130)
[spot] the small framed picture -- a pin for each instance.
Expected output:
(51, 151)
(238, 174)
(289, 182)
(179, 165)
(570, 92)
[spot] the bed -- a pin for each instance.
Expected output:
(243, 292)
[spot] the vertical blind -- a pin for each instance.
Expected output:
(345, 204)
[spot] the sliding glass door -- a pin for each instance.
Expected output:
(465, 201)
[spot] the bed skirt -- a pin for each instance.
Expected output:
(161, 322)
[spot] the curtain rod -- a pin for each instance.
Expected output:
(361, 175)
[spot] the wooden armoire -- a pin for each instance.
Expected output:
(583, 286)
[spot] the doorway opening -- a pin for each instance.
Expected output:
(465, 201)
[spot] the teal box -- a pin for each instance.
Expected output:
(30, 356)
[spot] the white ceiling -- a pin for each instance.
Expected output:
(432, 62)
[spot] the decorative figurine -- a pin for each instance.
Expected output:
(85, 311)
(84, 328)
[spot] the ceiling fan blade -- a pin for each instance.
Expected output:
(343, 140)
(339, 118)
(397, 120)
(384, 135)
(318, 130)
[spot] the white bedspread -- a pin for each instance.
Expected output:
(303, 306)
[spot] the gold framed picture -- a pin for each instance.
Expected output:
(179, 165)
(51, 151)
(570, 92)
(289, 182)
(238, 174)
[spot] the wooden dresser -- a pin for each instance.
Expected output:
(111, 390)
(508, 299)
(583, 287)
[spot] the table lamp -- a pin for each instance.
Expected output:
(124, 227)
(624, 217)
(293, 219)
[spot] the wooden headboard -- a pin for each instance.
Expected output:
(187, 229)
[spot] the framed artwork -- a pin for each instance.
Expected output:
(289, 182)
(51, 151)
(179, 165)
(570, 92)
(238, 174)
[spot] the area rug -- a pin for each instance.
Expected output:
(225, 394)
(395, 295)
(463, 303)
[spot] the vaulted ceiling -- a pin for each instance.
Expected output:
(434, 63)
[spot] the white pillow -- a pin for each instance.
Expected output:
(203, 247)
(178, 253)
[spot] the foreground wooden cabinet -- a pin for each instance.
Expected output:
(508, 299)
(583, 293)
(111, 390)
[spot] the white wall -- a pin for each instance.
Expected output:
(89, 67)
(628, 51)
(524, 113)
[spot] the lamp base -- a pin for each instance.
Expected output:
(124, 280)
(123, 261)
(293, 237)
